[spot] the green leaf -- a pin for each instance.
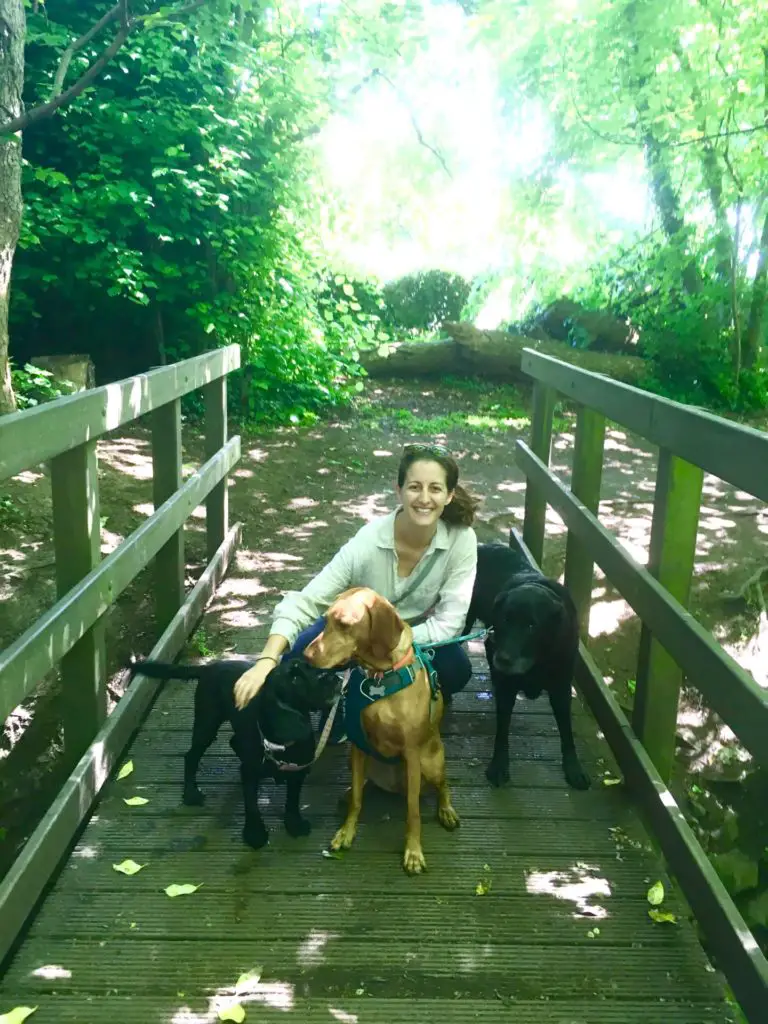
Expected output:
(135, 801)
(17, 1014)
(248, 979)
(656, 894)
(128, 867)
(738, 871)
(609, 780)
(181, 890)
(125, 771)
(662, 917)
(235, 1013)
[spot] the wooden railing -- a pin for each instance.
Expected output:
(673, 643)
(71, 633)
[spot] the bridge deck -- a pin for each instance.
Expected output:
(534, 911)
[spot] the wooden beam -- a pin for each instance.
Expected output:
(36, 435)
(47, 640)
(586, 479)
(77, 548)
(27, 879)
(726, 687)
(166, 480)
(672, 557)
(728, 450)
(217, 503)
(534, 524)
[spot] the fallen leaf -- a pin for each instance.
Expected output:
(593, 933)
(235, 1013)
(125, 771)
(662, 916)
(482, 888)
(181, 890)
(333, 854)
(609, 780)
(128, 867)
(252, 977)
(656, 894)
(135, 801)
(17, 1014)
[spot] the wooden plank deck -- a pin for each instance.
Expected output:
(534, 910)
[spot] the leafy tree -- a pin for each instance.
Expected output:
(425, 299)
(684, 87)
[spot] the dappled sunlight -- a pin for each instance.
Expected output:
(256, 454)
(370, 507)
(606, 616)
(303, 530)
(52, 972)
(515, 486)
(311, 949)
(241, 587)
(298, 503)
(579, 885)
(110, 541)
(342, 1016)
(28, 476)
(132, 456)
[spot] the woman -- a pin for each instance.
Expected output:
(422, 557)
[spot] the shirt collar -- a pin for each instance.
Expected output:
(385, 534)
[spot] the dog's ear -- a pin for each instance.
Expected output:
(386, 629)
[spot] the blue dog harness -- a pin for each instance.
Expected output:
(364, 690)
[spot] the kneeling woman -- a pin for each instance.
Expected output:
(422, 557)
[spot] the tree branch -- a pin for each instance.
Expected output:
(78, 44)
(59, 98)
(422, 141)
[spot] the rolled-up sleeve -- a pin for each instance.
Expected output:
(450, 613)
(299, 608)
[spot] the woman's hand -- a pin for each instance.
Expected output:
(249, 684)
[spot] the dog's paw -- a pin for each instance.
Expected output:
(255, 836)
(497, 773)
(297, 826)
(575, 775)
(193, 797)
(344, 837)
(448, 817)
(414, 861)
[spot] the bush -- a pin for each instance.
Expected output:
(424, 300)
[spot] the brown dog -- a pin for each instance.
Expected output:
(362, 626)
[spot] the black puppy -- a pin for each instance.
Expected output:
(532, 648)
(272, 735)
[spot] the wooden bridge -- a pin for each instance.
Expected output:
(536, 910)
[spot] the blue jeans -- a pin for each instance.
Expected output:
(451, 662)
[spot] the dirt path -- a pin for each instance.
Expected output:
(300, 493)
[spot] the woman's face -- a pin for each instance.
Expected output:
(424, 493)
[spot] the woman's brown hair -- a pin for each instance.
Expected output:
(461, 510)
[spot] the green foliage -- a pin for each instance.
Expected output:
(173, 206)
(423, 300)
(33, 385)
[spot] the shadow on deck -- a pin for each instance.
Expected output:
(535, 910)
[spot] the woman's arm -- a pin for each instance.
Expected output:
(450, 613)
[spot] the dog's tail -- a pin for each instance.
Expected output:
(165, 669)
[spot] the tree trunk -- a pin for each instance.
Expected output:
(12, 30)
(750, 345)
(470, 352)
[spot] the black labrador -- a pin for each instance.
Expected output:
(532, 648)
(272, 735)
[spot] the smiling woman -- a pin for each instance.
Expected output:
(422, 557)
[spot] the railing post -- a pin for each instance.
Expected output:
(671, 559)
(166, 479)
(77, 547)
(534, 523)
(217, 504)
(586, 478)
